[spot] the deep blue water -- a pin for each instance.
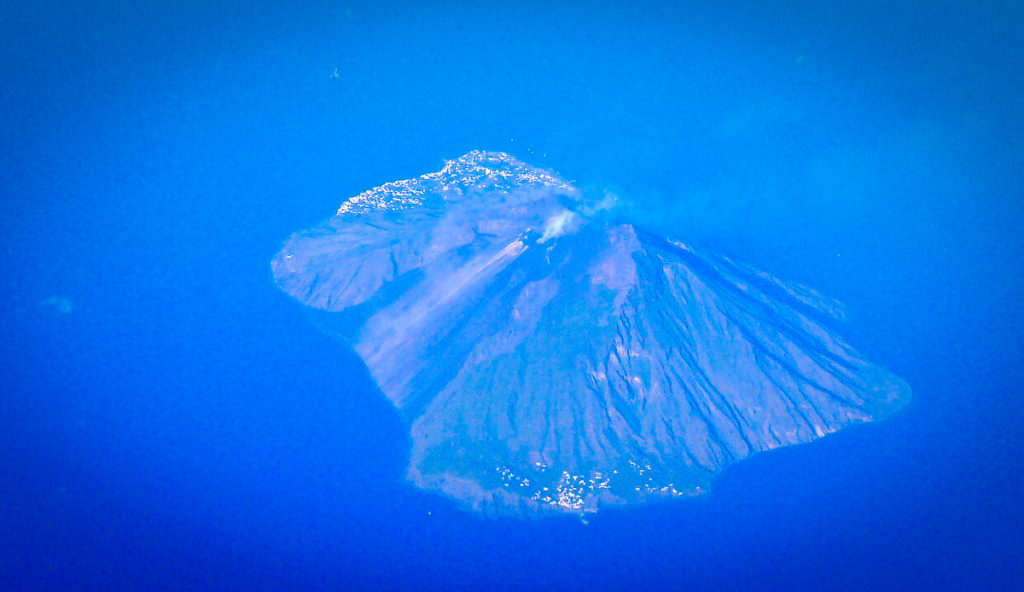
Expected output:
(184, 427)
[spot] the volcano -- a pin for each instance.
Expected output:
(551, 358)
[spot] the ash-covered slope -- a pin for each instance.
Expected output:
(547, 359)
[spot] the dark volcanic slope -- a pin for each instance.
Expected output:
(547, 360)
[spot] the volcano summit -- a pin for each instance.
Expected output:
(549, 358)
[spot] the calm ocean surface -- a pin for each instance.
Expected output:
(170, 420)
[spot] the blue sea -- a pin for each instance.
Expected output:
(170, 420)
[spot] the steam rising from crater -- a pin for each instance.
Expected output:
(562, 223)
